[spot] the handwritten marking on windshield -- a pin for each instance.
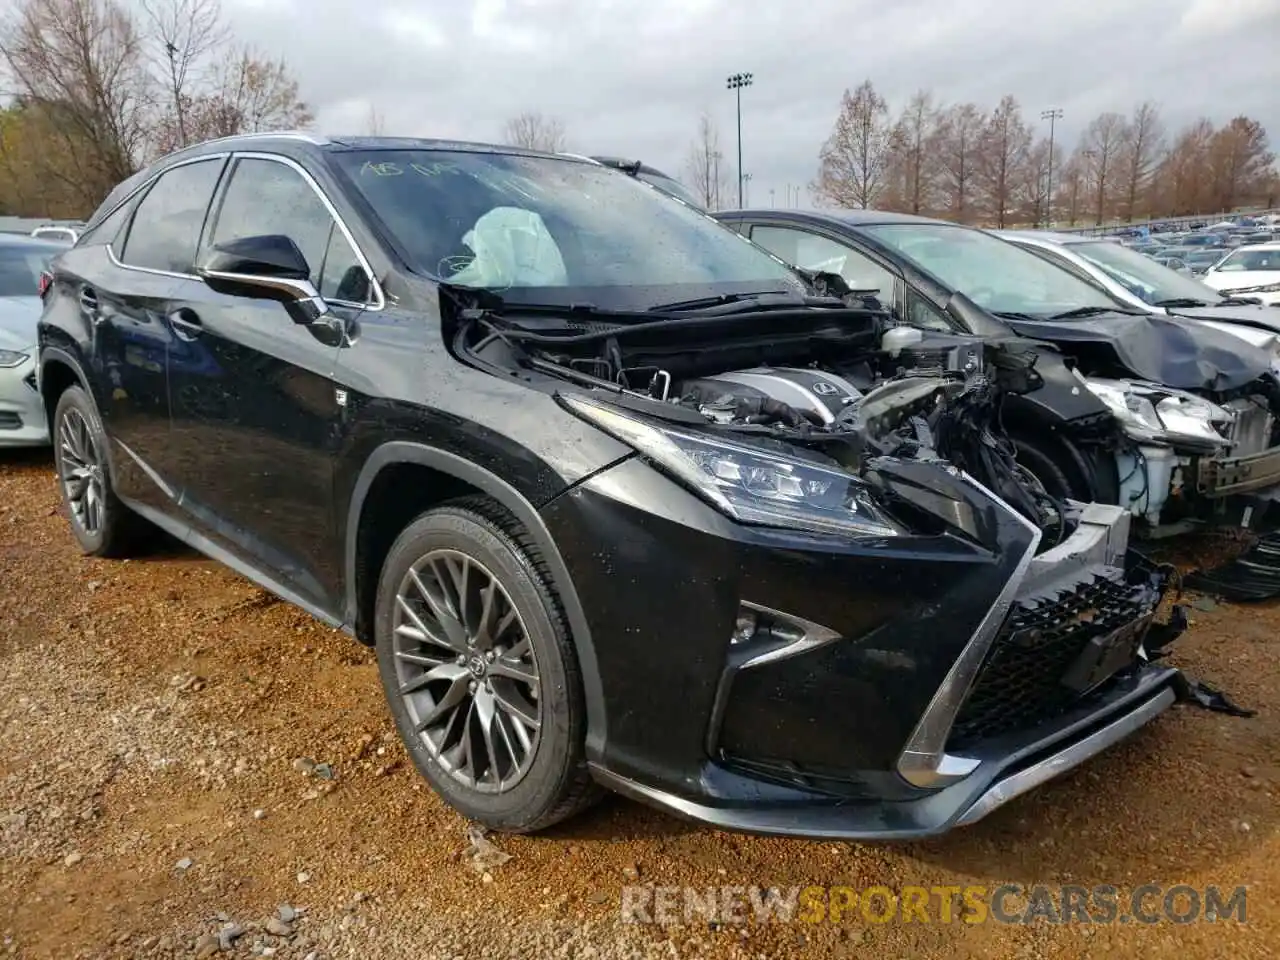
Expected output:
(434, 169)
(386, 169)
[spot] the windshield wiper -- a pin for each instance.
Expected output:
(1014, 315)
(1080, 312)
(746, 303)
(1180, 302)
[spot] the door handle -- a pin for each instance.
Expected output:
(186, 324)
(89, 305)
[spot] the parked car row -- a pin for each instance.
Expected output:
(809, 525)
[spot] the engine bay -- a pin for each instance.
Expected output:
(846, 383)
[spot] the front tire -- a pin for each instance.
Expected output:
(102, 525)
(1048, 462)
(479, 669)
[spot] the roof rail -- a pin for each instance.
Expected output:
(271, 135)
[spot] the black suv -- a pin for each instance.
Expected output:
(562, 449)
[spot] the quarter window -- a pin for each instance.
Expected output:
(166, 227)
(266, 197)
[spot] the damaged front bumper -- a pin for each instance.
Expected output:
(1218, 477)
(892, 688)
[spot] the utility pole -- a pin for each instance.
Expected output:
(1052, 116)
(736, 82)
(772, 201)
(715, 160)
(746, 182)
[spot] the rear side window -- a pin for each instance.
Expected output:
(166, 227)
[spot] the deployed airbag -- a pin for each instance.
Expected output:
(512, 248)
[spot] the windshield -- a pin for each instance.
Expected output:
(1242, 260)
(1141, 275)
(997, 275)
(20, 267)
(553, 230)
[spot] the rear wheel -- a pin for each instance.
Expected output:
(479, 669)
(103, 526)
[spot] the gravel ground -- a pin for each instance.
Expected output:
(191, 768)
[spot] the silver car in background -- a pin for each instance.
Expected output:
(22, 415)
(1138, 281)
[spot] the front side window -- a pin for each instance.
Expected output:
(813, 252)
(267, 197)
(1141, 275)
(1250, 260)
(997, 275)
(552, 229)
(166, 225)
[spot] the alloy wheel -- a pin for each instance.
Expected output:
(81, 471)
(466, 671)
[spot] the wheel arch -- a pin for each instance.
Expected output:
(1042, 427)
(454, 476)
(58, 371)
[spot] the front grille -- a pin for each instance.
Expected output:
(1022, 682)
(10, 421)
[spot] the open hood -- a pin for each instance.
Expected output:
(1172, 351)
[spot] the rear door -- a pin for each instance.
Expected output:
(119, 282)
(256, 409)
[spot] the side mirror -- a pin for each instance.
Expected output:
(267, 267)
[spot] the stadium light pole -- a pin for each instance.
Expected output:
(1052, 116)
(736, 82)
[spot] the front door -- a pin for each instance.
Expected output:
(255, 406)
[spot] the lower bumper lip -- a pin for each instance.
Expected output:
(998, 779)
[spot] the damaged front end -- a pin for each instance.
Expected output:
(812, 429)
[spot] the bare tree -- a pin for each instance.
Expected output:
(1070, 185)
(1002, 151)
(959, 132)
(1143, 140)
(915, 154)
(1032, 187)
(1102, 142)
(81, 65)
(533, 131)
(1240, 162)
(374, 125)
(707, 173)
(183, 36)
(853, 162)
(1182, 184)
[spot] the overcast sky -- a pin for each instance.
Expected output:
(630, 77)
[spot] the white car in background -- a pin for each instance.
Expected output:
(23, 422)
(1248, 271)
(1137, 281)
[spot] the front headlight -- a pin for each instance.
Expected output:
(11, 358)
(1154, 414)
(750, 484)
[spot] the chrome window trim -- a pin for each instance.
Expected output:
(377, 303)
(144, 187)
(924, 761)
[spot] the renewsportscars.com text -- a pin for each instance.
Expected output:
(1008, 903)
